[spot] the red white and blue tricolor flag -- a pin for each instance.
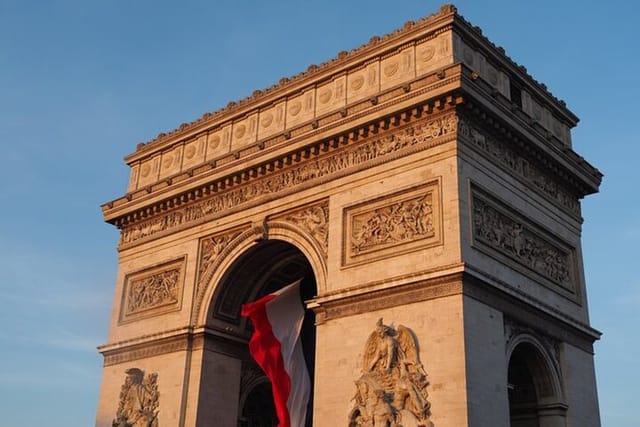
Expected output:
(275, 345)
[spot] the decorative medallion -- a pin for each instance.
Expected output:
(392, 390)
(295, 108)
(325, 96)
(357, 82)
(139, 400)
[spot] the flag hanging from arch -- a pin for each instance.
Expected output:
(275, 345)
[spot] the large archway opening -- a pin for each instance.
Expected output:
(264, 268)
(534, 395)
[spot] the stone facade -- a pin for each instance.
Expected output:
(424, 179)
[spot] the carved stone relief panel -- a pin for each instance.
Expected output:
(418, 136)
(500, 230)
(363, 82)
(139, 400)
(194, 151)
(392, 389)
(331, 96)
(170, 162)
(390, 225)
(244, 132)
(153, 291)
(433, 53)
(211, 249)
(516, 164)
(397, 68)
(271, 121)
(149, 170)
(219, 142)
(313, 219)
(301, 108)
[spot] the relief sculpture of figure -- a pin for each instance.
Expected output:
(138, 405)
(392, 390)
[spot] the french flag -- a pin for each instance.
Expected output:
(275, 345)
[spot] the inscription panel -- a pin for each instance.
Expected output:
(501, 232)
(402, 222)
(153, 291)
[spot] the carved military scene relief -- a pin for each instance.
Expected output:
(390, 225)
(153, 291)
(139, 400)
(500, 230)
(392, 390)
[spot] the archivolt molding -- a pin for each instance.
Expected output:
(217, 264)
(251, 377)
(299, 234)
(213, 248)
(548, 353)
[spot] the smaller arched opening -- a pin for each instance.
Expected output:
(262, 269)
(534, 393)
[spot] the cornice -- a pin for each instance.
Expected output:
(314, 74)
(516, 303)
(512, 126)
(474, 34)
(130, 209)
(411, 31)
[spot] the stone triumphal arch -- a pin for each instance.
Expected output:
(424, 188)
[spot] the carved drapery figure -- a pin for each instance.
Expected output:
(139, 403)
(392, 390)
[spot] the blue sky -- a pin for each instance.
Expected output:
(82, 82)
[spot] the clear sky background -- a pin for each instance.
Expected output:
(82, 82)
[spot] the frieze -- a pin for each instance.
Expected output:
(497, 227)
(315, 169)
(153, 291)
(314, 219)
(401, 222)
(516, 164)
